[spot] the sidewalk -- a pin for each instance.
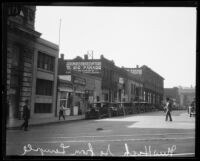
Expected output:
(15, 123)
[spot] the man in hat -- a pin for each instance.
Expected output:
(26, 115)
(168, 108)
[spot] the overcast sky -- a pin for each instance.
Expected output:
(164, 39)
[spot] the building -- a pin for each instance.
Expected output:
(186, 95)
(172, 93)
(31, 66)
(117, 84)
(76, 91)
(153, 84)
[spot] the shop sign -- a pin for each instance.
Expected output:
(135, 71)
(65, 77)
(78, 80)
(65, 85)
(85, 67)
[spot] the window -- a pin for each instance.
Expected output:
(63, 98)
(45, 61)
(14, 81)
(106, 97)
(44, 87)
(132, 89)
(98, 98)
(15, 56)
(43, 108)
(144, 96)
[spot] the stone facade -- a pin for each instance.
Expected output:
(23, 45)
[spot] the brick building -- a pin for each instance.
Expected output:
(31, 66)
(153, 84)
(117, 84)
(77, 90)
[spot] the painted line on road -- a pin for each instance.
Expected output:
(99, 136)
(182, 154)
(113, 140)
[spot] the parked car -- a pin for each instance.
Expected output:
(92, 113)
(97, 110)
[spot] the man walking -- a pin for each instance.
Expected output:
(61, 112)
(168, 108)
(26, 115)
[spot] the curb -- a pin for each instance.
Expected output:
(45, 123)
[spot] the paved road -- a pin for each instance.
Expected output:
(133, 135)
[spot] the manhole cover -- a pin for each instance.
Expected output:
(99, 129)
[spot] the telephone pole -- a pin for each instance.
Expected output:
(59, 36)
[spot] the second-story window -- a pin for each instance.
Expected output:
(45, 61)
(44, 87)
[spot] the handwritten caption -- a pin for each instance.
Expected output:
(90, 151)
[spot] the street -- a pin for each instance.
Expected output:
(145, 134)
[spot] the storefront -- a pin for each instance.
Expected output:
(77, 91)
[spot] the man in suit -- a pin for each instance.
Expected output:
(168, 108)
(26, 115)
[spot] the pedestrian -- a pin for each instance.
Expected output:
(61, 112)
(26, 115)
(168, 108)
(190, 110)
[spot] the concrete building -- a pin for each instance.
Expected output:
(31, 66)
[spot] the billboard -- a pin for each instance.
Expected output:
(85, 67)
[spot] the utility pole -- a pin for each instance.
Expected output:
(59, 36)
(90, 54)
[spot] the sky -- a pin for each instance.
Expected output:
(163, 38)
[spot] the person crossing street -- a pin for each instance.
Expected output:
(168, 108)
(26, 115)
(61, 112)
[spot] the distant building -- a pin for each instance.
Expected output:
(172, 93)
(153, 83)
(31, 66)
(187, 95)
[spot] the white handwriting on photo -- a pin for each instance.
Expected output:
(90, 151)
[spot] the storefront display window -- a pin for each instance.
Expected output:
(63, 98)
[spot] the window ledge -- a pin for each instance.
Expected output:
(44, 70)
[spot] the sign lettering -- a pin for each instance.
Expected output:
(135, 71)
(86, 67)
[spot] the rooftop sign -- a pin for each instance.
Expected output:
(85, 67)
(135, 71)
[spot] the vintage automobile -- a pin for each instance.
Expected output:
(97, 110)
(115, 109)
